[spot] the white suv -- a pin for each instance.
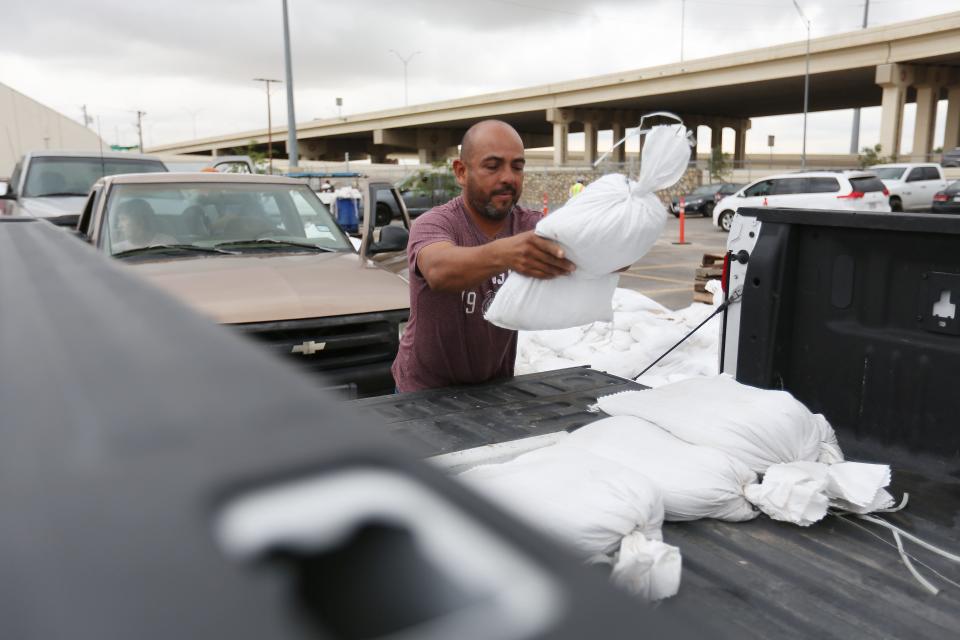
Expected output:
(912, 186)
(843, 190)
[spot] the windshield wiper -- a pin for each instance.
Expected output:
(273, 241)
(58, 193)
(172, 247)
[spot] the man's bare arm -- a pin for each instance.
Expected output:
(447, 267)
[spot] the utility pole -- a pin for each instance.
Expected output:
(683, 14)
(87, 120)
(806, 89)
(267, 82)
(292, 155)
(855, 134)
(140, 115)
(405, 61)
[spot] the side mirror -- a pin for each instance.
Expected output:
(388, 239)
(5, 192)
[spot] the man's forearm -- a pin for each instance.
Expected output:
(455, 269)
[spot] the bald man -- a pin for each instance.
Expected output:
(459, 255)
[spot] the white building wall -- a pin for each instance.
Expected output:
(27, 125)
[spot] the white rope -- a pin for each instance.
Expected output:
(916, 574)
(639, 131)
(912, 538)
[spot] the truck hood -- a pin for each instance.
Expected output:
(892, 184)
(256, 288)
(52, 207)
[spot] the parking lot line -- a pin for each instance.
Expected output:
(664, 266)
(657, 278)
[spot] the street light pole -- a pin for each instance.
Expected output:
(292, 155)
(267, 82)
(405, 61)
(806, 89)
(855, 135)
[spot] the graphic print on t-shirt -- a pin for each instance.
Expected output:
(481, 299)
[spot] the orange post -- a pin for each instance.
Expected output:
(546, 201)
(683, 219)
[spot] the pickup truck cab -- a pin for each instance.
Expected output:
(54, 184)
(421, 192)
(911, 185)
(262, 255)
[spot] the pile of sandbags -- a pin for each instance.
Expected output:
(766, 431)
(610, 225)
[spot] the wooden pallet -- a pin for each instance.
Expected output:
(711, 268)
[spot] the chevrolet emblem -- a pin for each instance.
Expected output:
(309, 348)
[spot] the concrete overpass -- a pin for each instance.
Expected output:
(916, 61)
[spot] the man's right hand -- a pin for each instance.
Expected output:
(533, 256)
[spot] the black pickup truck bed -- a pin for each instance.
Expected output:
(761, 579)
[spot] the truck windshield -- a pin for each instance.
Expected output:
(254, 217)
(65, 176)
(889, 173)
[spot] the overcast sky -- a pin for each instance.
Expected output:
(189, 64)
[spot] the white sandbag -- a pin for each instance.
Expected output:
(792, 492)
(607, 512)
(759, 427)
(801, 492)
(610, 225)
(559, 303)
(696, 482)
(859, 486)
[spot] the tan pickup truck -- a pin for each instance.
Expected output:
(263, 255)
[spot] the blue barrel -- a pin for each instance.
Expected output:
(347, 214)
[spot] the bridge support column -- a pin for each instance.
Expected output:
(589, 141)
(923, 125)
(894, 79)
(928, 92)
(561, 119)
(619, 154)
(431, 155)
(716, 137)
(378, 155)
(951, 135)
(740, 144)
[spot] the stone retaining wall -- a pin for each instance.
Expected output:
(555, 183)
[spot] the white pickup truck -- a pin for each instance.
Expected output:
(911, 185)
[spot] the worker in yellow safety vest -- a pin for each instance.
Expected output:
(576, 187)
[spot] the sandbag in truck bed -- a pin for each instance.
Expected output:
(607, 512)
(696, 482)
(759, 427)
(610, 225)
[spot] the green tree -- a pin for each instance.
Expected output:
(870, 156)
(259, 157)
(718, 165)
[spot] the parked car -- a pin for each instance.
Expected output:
(911, 185)
(947, 200)
(850, 190)
(950, 158)
(703, 199)
(220, 164)
(54, 184)
(421, 192)
(263, 255)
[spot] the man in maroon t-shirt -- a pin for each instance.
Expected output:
(459, 255)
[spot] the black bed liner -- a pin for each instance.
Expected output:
(760, 579)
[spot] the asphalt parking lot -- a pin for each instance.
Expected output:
(667, 272)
